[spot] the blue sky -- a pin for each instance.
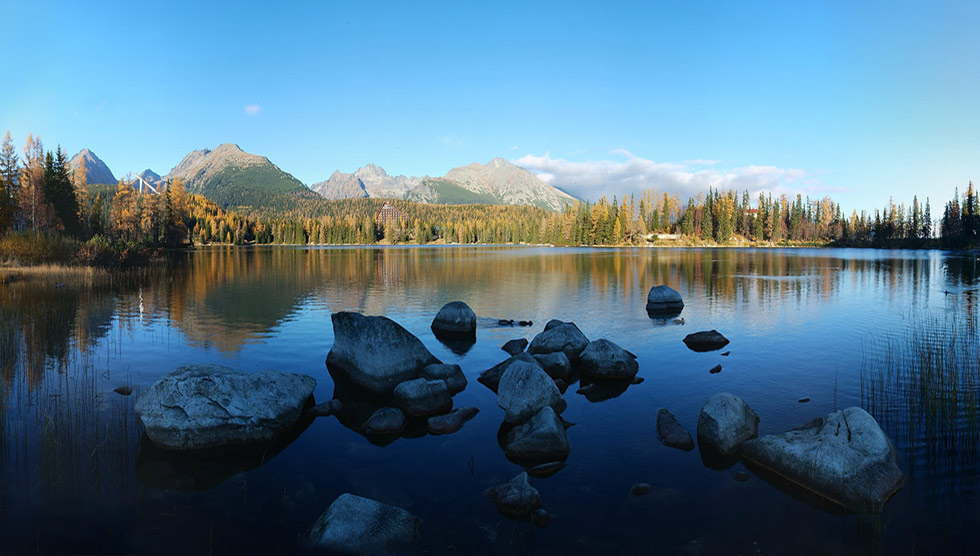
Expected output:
(824, 98)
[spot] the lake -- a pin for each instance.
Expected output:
(838, 327)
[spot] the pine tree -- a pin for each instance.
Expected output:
(927, 221)
(9, 178)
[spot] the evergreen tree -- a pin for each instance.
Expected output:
(9, 178)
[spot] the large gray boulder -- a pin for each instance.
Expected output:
(491, 377)
(844, 457)
(604, 360)
(455, 317)
(725, 422)
(515, 499)
(376, 353)
(360, 526)
(663, 300)
(555, 364)
(542, 438)
(205, 406)
(450, 373)
(421, 397)
(524, 389)
(564, 337)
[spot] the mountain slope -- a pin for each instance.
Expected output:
(509, 184)
(230, 176)
(340, 186)
(377, 182)
(96, 171)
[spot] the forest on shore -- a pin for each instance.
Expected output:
(48, 213)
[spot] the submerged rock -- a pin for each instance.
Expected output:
(541, 518)
(376, 353)
(844, 457)
(541, 439)
(386, 421)
(560, 336)
(452, 421)
(515, 499)
(546, 469)
(451, 374)
(455, 317)
(421, 397)
(513, 347)
(361, 526)
(123, 390)
(491, 377)
(725, 422)
(524, 389)
(324, 409)
(709, 340)
(640, 489)
(671, 433)
(204, 406)
(663, 300)
(604, 360)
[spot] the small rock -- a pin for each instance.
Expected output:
(741, 476)
(586, 389)
(356, 525)
(451, 374)
(640, 489)
(515, 499)
(726, 354)
(540, 518)
(452, 421)
(320, 410)
(546, 469)
(514, 347)
(386, 421)
(564, 337)
(637, 380)
(561, 385)
(491, 377)
(604, 360)
(803, 400)
(123, 390)
(455, 317)
(421, 397)
(671, 433)
(709, 340)
(336, 406)
(725, 422)
(715, 370)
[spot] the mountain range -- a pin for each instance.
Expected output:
(232, 177)
(96, 171)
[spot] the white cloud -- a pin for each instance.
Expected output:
(252, 109)
(632, 174)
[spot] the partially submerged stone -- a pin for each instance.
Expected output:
(515, 499)
(843, 457)
(376, 353)
(361, 526)
(604, 360)
(559, 336)
(452, 421)
(205, 406)
(664, 300)
(725, 422)
(455, 317)
(541, 439)
(524, 389)
(386, 421)
(671, 433)
(513, 347)
(450, 373)
(421, 397)
(708, 340)
(491, 377)
(555, 364)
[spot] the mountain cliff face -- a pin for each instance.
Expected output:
(497, 182)
(230, 176)
(96, 171)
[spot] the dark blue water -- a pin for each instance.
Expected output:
(77, 476)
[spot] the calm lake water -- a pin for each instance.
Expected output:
(76, 474)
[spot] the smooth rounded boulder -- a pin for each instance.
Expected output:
(515, 499)
(386, 421)
(663, 300)
(604, 360)
(524, 389)
(844, 457)
(541, 439)
(450, 373)
(561, 336)
(671, 433)
(455, 317)
(708, 340)
(421, 397)
(360, 526)
(725, 422)
(207, 406)
(376, 353)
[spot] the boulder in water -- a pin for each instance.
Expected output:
(515, 499)
(376, 353)
(491, 377)
(664, 301)
(708, 340)
(513, 347)
(385, 421)
(524, 389)
(421, 397)
(555, 364)
(725, 422)
(843, 457)
(671, 433)
(455, 317)
(541, 439)
(604, 360)
(361, 526)
(451, 374)
(559, 336)
(452, 421)
(205, 406)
